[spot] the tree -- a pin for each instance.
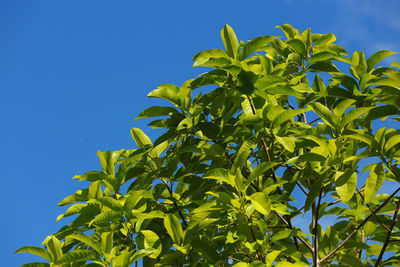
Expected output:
(278, 132)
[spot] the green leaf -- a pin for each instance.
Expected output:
(111, 203)
(340, 108)
(87, 240)
(392, 141)
(156, 111)
(141, 139)
(211, 53)
(174, 228)
(91, 176)
(287, 142)
(151, 240)
(369, 140)
(378, 57)
(346, 184)
(220, 174)
(213, 62)
(381, 111)
(395, 64)
(271, 256)
(298, 46)
(78, 196)
(255, 45)
(323, 66)
(124, 259)
(230, 40)
(359, 63)
(325, 39)
(374, 182)
(74, 209)
(77, 256)
(259, 170)
(108, 160)
(288, 30)
(107, 241)
(322, 56)
(352, 115)
(313, 193)
(106, 217)
(167, 92)
(38, 251)
(324, 113)
(261, 202)
(54, 247)
(244, 152)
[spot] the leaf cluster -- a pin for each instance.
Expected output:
(282, 134)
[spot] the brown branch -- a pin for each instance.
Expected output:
(315, 215)
(359, 226)
(311, 122)
(369, 207)
(388, 235)
(340, 200)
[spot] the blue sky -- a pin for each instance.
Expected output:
(74, 74)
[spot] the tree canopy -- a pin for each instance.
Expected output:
(278, 128)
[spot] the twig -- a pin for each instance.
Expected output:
(359, 226)
(260, 256)
(388, 235)
(369, 207)
(175, 204)
(317, 119)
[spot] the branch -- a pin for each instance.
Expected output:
(174, 201)
(369, 207)
(260, 256)
(317, 119)
(361, 225)
(388, 235)
(288, 223)
(315, 215)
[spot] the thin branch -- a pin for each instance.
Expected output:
(288, 223)
(340, 200)
(315, 215)
(174, 201)
(369, 207)
(359, 226)
(260, 256)
(388, 235)
(291, 173)
(334, 202)
(317, 119)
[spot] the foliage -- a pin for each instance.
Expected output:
(279, 132)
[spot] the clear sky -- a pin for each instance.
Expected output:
(74, 74)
